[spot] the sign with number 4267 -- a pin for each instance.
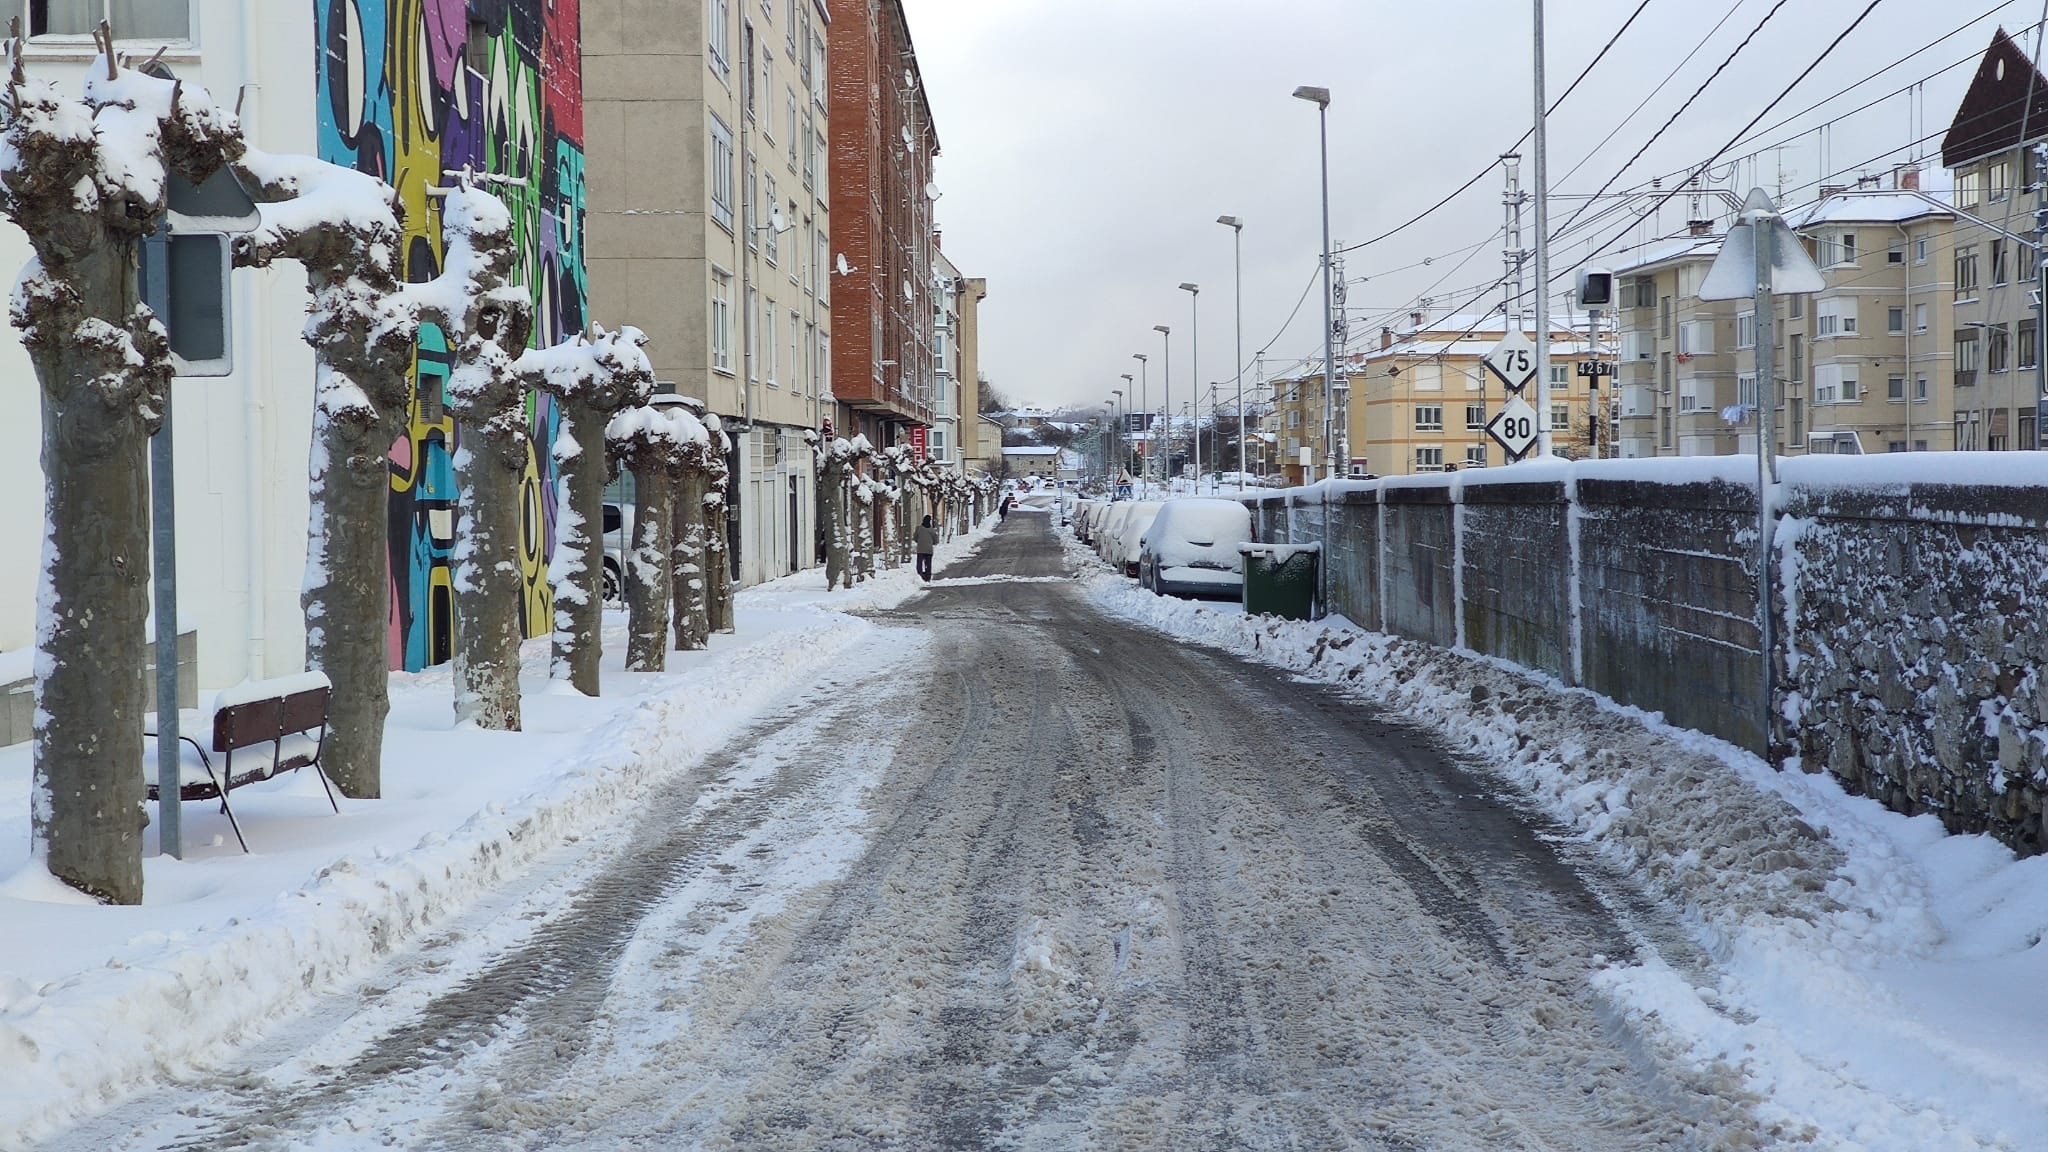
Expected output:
(1514, 426)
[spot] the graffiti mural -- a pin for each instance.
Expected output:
(416, 91)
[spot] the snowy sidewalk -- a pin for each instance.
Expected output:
(1875, 980)
(99, 1002)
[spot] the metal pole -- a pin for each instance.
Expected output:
(1542, 194)
(1166, 406)
(1145, 465)
(1329, 303)
(1764, 230)
(2040, 300)
(163, 508)
(1195, 385)
(1237, 272)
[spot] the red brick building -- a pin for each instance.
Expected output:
(883, 143)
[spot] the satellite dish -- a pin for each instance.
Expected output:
(909, 293)
(906, 136)
(845, 269)
(777, 220)
(931, 192)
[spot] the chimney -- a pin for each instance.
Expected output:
(1906, 177)
(1386, 338)
(1699, 227)
(1415, 320)
(1827, 190)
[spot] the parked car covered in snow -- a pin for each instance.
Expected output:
(1190, 548)
(1104, 530)
(1129, 531)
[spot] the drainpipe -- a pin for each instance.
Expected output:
(253, 356)
(1912, 387)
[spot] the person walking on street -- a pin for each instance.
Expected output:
(926, 539)
(1003, 510)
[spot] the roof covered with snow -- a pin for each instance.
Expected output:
(1870, 206)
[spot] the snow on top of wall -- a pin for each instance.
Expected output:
(1898, 469)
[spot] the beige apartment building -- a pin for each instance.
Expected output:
(1862, 366)
(1420, 401)
(708, 228)
(1996, 362)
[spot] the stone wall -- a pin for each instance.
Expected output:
(1913, 595)
(1919, 634)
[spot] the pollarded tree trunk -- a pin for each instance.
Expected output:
(362, 332)
(591, 378)
(492, 321)
(93, 601)
(832, 498)
(647, 567)
(691, 589)
(718, 583)
(84, 180)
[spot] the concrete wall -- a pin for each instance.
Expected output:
(1914, 612)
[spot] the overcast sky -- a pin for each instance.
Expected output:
(1087, 147)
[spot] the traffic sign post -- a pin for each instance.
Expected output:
(1513, 361)
(1514, 428)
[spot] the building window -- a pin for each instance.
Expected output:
(1475, 417)
(1966, 358)
(1920, 396)
(792, 129)
(2030, 343)
(1664, 318)
(1475, 456)
(773, 234)
(824, 266)
(796, 352)
(753, 333)
(1919, 317)
(1745, 330)
(1560, 375)
(769, 345)
(1798, 373)
(1966, 272)
(752, 191)
(1998, 180)
(1895, 320)
(2000, 266)
(1688, 395)
(1895, 388)
(1797, 409)
(1969, 187)
(1896, 254)
(1429, 459)
(719, 26)
(1560, 417)
(2027, 442)
(1834, 384)
(1745, 391)
(1664, 427)
(721, 321)
(1797, 308)
(132, 19)
(1844, 250)
(1429, 417)
(1835, 317)
(1998, 348)
(1920, 251)
(721, 173)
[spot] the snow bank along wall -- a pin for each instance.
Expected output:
(1912, 652)
(412, 91)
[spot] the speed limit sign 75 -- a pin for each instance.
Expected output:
(1513, 360)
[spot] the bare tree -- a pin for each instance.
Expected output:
(834, 462)
(343, 227)
(489, 320)
(591, 377)
(85, 179)
(718, 589)
(690, 584)
(655, 443)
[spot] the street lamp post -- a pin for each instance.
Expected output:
(1194, 292)
(1166, 403)
(1236, 227)
(1320, 97)
(1123, 456)
(1145, 467)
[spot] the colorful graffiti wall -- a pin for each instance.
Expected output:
(415, 91)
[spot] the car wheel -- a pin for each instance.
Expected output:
(614, 588)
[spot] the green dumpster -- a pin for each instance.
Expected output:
(1281, 579)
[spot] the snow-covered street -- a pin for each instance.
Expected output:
(1024, 876)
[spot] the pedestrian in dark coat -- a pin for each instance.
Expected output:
(1003, 509)
(926, 538)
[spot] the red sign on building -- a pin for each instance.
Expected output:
(920, 442)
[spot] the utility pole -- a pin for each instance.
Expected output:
(1166, 405)
(1320, 97)
(1236, 227)
(1145, 465)
(1542, 194)
(1194, 381)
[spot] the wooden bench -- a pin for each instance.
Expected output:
(259, 729)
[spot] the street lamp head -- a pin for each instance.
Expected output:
(1127, 379)
(1191, 288)
(1138, 356)
(1231, 222)
(1162, 329)
(1320, 97)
